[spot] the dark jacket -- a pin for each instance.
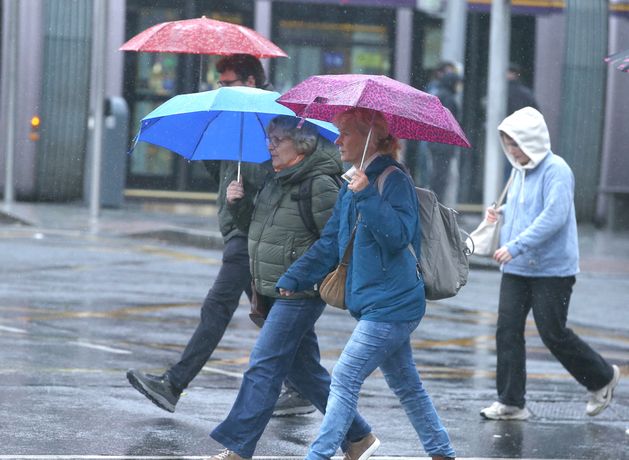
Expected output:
(253, 178)
(278, 235)
(382, 283)
(446, 92)
(519, 96)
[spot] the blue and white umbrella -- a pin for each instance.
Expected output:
(224, 124)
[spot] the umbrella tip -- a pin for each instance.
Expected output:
(301, 123)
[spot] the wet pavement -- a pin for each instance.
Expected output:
(82, 303)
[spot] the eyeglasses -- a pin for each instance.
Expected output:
(274, 141)
(223, 83)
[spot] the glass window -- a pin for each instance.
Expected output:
(330, 40)
(148, 159)
(153, 78)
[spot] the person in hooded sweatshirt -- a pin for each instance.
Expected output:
(539, 257)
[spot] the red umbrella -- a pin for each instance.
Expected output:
(203, 36)
(620, 60)
(411, 114)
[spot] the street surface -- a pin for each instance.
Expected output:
(79, 309)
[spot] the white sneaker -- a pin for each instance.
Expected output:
(499, 411)
(600, 399)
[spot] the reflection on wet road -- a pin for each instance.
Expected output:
(77, 312)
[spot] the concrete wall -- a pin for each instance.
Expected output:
(29, 78)
(612, 208)
(115, 38)
(549, 60)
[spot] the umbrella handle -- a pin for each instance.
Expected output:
(362, 160)
(242, 127)
(365, 149)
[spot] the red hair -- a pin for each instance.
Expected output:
(364, 119)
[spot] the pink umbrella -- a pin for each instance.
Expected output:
(203, 36)
(619, 60)
(411, 114)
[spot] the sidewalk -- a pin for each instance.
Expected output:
(601, 251)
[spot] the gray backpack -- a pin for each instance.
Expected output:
(443, 261)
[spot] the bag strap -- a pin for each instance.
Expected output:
(304, 202)
(380, 183)
(503, 195)
(383, 176)
(350, 245)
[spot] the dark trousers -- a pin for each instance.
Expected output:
(218, 308)
(549, 298)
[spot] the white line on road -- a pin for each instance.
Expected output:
(102, 348)
(216, 370)
(12, 329)
(179, 457)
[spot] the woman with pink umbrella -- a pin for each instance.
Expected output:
(384, 291)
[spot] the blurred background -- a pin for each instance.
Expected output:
(47, 98)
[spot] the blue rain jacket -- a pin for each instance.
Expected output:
(382, 283)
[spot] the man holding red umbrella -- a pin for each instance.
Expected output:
(233, 277)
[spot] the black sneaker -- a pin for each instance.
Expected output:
(157, 388)
(292, 403)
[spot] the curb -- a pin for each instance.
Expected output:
(9, 218)
(184, 237)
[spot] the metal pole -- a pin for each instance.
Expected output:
(454, 29)
(9, 79)
(99, 26)
(262, 24)
(403, 44)
(499, 39)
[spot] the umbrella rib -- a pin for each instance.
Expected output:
(210, 121)
(261, 123)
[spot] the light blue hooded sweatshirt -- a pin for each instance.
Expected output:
(540, 227)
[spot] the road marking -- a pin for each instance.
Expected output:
(12, 329)
(196, 457)
(101, 347)
(216, 370)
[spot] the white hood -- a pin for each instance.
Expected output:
(528, 128)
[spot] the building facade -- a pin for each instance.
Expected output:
(559, 44)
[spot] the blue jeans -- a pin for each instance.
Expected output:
(218, 308)
(388, 346)
(286, 347)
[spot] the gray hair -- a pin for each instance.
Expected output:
(304, 137)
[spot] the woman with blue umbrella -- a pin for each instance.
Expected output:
(278, 235)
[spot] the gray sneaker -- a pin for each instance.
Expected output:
(363, 449)
(157, 388)
(292, 403)
(227, 455)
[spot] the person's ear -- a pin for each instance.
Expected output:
(250, 81)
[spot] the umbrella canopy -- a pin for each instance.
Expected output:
(202, 36)
(619, 60)
(411, 114)
(224, 124)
